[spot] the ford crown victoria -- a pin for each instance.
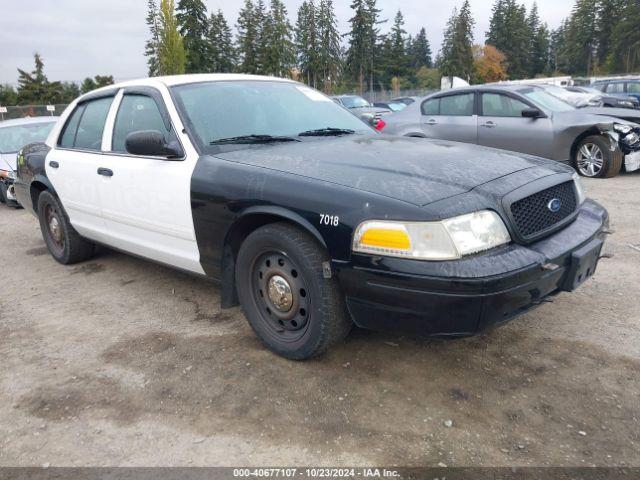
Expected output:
(308, 218)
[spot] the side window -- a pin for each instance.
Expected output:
(615, 88)
(136, 113)
(431, 107)
(459, 105)
(633, 87)
(497, 105)
(69, 133)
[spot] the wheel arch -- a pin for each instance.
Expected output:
(587, 133)
(38, 185)
(250, 220)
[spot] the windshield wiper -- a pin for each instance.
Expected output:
(328, 131)
(253, 138)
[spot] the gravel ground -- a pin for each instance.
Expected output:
(119, 361)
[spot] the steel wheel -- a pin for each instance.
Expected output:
(280, 295)
(54, 228)
(590, 159)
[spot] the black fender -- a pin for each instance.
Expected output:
(246, 222)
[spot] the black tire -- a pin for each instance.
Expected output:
(315, 317)
(64, 243)
(3, 193)
(593, 158)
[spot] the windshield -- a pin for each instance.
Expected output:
(223, 110)
(14, 138)
(396, 107)
(354, 102)
(545, 101)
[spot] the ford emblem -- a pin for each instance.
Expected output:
(554, 205)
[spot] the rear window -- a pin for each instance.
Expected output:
(615, 88)
(431, 107)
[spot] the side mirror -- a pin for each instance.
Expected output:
(532, 113)
(151, 143)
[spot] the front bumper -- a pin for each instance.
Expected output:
(9, 184)
(464, 297)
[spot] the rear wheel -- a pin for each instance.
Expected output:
(295, 311)
(64, 243)
(594, 158)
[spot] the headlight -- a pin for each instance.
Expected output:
(446, 240)
(620, 128)
(626, 104)
(579, 189)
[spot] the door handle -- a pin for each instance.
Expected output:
(105, 172)
(431, 122)
(489, 124)
(54, 164)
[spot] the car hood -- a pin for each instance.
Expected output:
(8, 160)
(628, 114)
(414, 170)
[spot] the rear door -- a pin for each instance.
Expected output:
(450, 117)
(72, 165)
(616, 89)
(633, 89)
(146, 201)
(501, 125)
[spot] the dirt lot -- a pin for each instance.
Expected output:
(122, 362)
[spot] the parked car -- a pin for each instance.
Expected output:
(524, 119)
(607, 100)
(621, 87)
(362, 109)
(308, 218)
(14, 134)
(405, 100)
(577, 99)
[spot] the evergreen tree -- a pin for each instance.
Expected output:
(307, 43)
(457, 55)
(624, 51)
(248, 38)
(329, 56)
(152, 45)
(171, 54)
(8, 95)
(192, 21)
(221, 51)
(399, 67)
(580, 49)
(69, 92)
(279, 54)
(510, 32)
(362, 41)
(35, 88)
(420, 51)
(539, 44)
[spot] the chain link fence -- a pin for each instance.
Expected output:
(23, 111)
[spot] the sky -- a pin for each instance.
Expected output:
(82, 38)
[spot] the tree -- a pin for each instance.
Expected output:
(399, 65)
(538, 44)
(279, 50)
(192, 21)
(362, 41)
(98, 81)
(152, 45)
(624, 50)
(329, 55)
(221, 56)
(511, 32)
(580, 49)
(8, 95)
(69, 92)
(456, 57)
(171, 54)
(248, 38)
(35, 88)
(307, 43)
(489, 64)
(428, 78)
(420, 51)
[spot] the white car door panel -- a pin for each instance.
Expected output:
(146, 203)
(450, 117)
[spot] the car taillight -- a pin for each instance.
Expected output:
(380, 124)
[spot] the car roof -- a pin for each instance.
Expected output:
(174, 80)
(28, 121)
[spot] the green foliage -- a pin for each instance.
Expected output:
(420, 51)
(153, 43)
(279, 50)
(171, 53)
(35, 88)
(624, 49)
(249, 38)
(191, 16)
(329, 58)
(220, 45)
(363, 37)
(428, 78)
(307, 43)
(8, 95)
(514, 34)
(98, 81)
(456, 55)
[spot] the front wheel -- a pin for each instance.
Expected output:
(594, 158)
(295, 311)
(3, 192)
(64, 243)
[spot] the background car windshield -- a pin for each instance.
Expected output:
(355, 102)
(547, 102)
(12, 139)
(217, 110)
(396, 107)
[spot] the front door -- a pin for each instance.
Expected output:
(501, 125)
(146, 201)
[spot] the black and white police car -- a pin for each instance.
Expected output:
(308, 218)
